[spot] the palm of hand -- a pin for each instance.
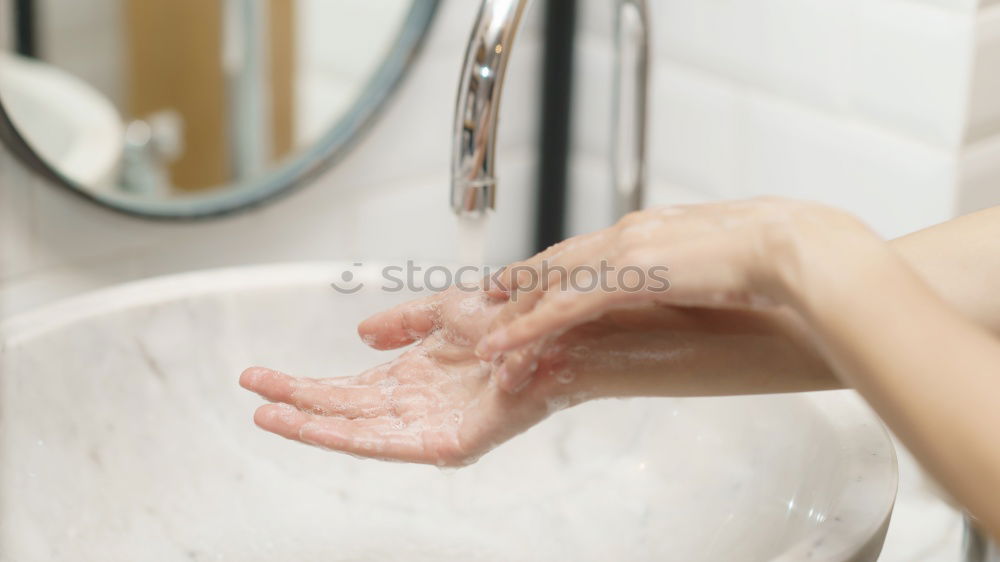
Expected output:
(437, 403)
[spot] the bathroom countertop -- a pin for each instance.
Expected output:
(924, 527)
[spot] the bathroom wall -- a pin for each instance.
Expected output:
(889, 108)
(386, 200)
(884, 107)
(62, 26)
(329, 70)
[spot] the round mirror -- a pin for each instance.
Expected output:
(192, 108)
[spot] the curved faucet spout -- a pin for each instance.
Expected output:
(473, 181)
(473, 188)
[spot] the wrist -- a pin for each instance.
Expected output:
(819, 253)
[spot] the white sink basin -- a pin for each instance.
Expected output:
(125, 437)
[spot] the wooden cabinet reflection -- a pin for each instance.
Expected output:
(174, 62)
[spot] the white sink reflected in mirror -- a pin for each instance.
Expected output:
(66, 121)
(125, 437)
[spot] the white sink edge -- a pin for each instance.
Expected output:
(164, 288)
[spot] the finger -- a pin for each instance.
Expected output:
(270, 384)
(374, 438)
(329, 397)
(493, 287)
(281, 419)
(505, 281)
(367, 438)
(516, 306)
(520, 274)
(508, 277)
(402, 325)
(574, 265)
(560, 272)
(554, 314)
(518, 369)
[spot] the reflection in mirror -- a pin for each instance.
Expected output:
(194, 107)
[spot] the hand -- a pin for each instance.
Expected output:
(435, 404)
(740, 255)
(438, 404)
(659, 350)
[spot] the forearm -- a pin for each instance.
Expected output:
(717, 365)
(931, 373)
(903, 323)
(960, 261)
(671, 352)
(661, 351)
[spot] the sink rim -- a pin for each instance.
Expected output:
(859, 538)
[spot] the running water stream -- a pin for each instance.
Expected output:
(472, 239)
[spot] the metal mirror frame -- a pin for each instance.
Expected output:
(300, 169)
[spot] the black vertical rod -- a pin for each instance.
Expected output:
(557, 90)
(24, 27)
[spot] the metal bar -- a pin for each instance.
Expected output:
(25, 28)
(628, 151)
(556, 116)
(245, 60)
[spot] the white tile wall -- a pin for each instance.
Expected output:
(898, 63)
(980, 168)
(870, 105)
(387, 199)
(86, 39)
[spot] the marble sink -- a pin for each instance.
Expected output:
(124, 436)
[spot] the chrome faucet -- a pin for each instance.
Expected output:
(474, 182)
